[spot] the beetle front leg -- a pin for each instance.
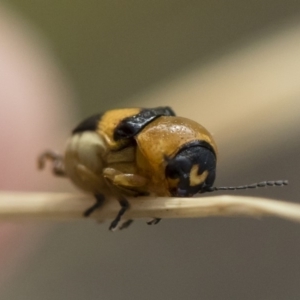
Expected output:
(57, 160)
(124, 181)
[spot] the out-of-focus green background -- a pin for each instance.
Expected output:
(115, 51)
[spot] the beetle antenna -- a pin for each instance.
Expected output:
(248, 186)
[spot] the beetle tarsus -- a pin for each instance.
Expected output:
(126, 224)
(57, 160)
(124, 206)
(99, 202)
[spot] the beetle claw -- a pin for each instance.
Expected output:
(154, 221)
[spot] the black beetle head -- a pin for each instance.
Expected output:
(192, 170)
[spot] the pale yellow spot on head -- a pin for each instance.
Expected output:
(196, 178)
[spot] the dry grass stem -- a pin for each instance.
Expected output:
(64, 206)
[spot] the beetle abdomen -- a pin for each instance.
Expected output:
(84, 161)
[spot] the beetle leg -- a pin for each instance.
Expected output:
(129, 182)
(99, 202)
(126, 224)
(110, 173)
(57, 160)
(154, 221)
(124, 206)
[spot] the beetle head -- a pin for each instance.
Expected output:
(192, 170)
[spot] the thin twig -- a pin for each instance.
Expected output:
(64, 206)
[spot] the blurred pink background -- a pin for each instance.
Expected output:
(35, 111)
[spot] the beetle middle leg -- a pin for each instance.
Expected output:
(127, 183)
(89, 176)
(124, 207)
(99, 202)
(57, 160)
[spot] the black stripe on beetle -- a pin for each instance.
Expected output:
(131, 126)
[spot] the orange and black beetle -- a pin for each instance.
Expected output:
(135, 152)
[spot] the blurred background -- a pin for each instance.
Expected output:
(233, 66)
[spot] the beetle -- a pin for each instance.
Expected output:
(137, 152)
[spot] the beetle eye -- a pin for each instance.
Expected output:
(178, 168)
(172, 172)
